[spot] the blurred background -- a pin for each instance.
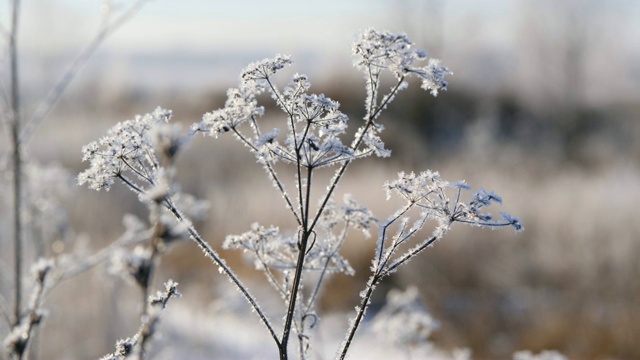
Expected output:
(543, 108)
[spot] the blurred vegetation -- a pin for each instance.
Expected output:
(569, 282)
(565, 161)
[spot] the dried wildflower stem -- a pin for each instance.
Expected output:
(127, 347)
(17, 159)
(364, 304)
(153, 259)
(213, 255)
(302, 251)
(22, 333)
(271, 171)
(356, 144)
(372, 113)
(391, 268)
(375, 278)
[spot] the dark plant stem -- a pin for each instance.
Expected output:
(212, 255)
(17, 159)
(224, 268)
(294, 296)
(364, 304)
(302, 251)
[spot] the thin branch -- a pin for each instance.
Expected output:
(364, 304)
(383, 232)
(325, 268)
(17, 160)
(213, 255)
(273, 174)
(417, 249)
(302, 248)
(56, 92)
(93, 260)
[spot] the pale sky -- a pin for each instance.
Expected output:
(198, 37)
(287, 24)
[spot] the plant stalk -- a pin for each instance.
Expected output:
(14, 94)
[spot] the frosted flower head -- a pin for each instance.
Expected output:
(432, 194)
(314, 121)
(349, 213)
(415, 188)
(375, 51)
(263, 69)
(241, 105)
(126, 150)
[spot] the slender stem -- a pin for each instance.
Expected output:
(17, 160)
(215, 258)
(383, 232)
(325, 268)
(273, 174)
(302, 251)
(354, 147)
(213, 255)
(371, 284)
(391, 268)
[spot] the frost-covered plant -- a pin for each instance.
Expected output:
(313, 139)
(136, 345)
(18, 339)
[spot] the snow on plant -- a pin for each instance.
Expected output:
(17, 341)
(313, 138)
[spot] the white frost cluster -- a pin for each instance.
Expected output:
(128, 152)
(429, 191)
(379, 50)
(314, 121)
